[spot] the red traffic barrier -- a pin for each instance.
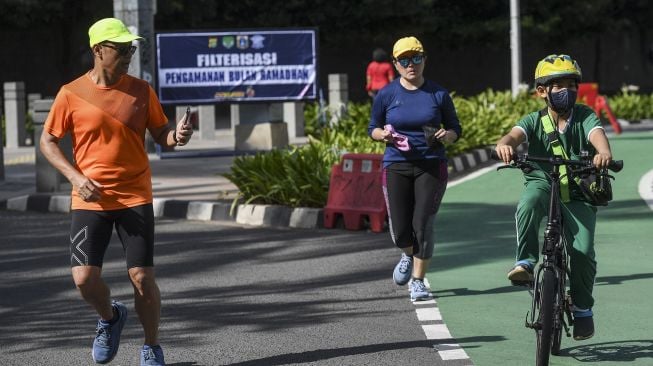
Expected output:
(588, 93)
(356, 192)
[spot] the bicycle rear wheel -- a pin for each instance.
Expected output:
(544, 332)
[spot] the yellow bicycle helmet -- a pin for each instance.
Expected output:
(556, 67)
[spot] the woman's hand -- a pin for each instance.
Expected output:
(445, 136)
(382, 135)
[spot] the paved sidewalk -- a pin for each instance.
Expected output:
(188, 184)
(194, 175)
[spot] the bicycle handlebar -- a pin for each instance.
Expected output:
(614, 165)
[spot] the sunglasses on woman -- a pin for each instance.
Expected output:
(415, 59)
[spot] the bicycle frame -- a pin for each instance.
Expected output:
(555, 261)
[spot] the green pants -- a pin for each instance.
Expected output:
(579, 221)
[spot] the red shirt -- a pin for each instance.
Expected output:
(380, 74)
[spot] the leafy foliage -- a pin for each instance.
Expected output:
(631, 106)
(487, 116)
(295, 177)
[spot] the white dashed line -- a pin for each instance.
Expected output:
(428, 312)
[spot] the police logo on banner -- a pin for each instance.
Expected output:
(228, 41)
(257, 41)
(242, 42)
(213, 42)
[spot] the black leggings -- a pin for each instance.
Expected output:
(90, 234)
(413, 193)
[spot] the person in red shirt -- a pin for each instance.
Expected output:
(379, 72)
(106, 112)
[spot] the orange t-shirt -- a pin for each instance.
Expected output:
(107, 126)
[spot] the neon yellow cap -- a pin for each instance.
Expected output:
(110, 29)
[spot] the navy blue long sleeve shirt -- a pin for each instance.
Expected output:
(408, 111)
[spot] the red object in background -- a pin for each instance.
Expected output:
(356, 191)
(588, 93)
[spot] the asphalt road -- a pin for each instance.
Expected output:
(231, 296)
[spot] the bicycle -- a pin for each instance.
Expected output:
(551, 301)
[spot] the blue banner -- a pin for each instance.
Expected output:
(253, 65)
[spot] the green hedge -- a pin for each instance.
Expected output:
(631, 106)
(299, 176)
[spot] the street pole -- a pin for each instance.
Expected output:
(515, 48)
(138, 16)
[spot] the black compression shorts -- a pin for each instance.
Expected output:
(90, 234)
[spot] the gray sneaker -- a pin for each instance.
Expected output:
(152, 356)
(403, 270)
(418, 291)
(107, 337)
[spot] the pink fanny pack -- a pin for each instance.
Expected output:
(400, 141)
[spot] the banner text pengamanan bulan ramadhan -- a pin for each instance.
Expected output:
(237, 68)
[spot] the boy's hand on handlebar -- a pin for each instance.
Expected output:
(602, 159)
(505, 153)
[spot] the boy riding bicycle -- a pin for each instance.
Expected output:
(563, 127)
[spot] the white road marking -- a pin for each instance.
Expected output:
(645, 188)
(476, 174)
(428, 312)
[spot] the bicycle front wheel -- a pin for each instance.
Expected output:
(544, 332)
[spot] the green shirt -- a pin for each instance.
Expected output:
(574, 139)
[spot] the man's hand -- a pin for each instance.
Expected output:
(184, 130)
(88, 189)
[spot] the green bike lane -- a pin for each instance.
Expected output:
(476, 248)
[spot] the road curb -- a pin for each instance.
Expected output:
(244, 214)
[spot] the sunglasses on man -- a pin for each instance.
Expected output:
(415, 59)
(122, 50)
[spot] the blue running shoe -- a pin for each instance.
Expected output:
(107, 338)
(403, 270)
(152, 356)
(418, 291)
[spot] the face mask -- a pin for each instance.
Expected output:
(562, 101)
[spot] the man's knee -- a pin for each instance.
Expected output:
(142, 278)
(86, 277)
